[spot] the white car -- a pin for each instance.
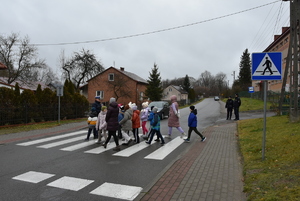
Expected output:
(216, 98)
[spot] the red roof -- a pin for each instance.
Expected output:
(2, 66)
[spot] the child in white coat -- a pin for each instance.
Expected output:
(101, 124)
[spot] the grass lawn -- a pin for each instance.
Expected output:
(35, 126)
(278, 176)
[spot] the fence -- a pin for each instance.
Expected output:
(26, 114)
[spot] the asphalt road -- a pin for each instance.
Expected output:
(43, 171)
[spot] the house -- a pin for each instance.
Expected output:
(280, 44)
(29, 85)
(182, 95)
(123, 85)
(2, 66)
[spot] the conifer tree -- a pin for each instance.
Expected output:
(154, 89)
(186, 84)
(244, 78)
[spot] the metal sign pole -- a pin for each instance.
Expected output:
(265, 120)
(58, 109)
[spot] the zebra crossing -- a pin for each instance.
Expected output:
(120, 191)
(74, 141)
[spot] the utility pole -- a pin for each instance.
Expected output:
(292, 62)
(294, 58)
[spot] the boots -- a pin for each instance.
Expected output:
(117, 148)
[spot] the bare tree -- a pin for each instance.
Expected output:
(20, 57)
(120, 86)
(45, 75)
(81, 67)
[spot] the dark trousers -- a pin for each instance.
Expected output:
(136, 135)
(151, 134)
(229, 113)
(94, 132)
(196, 131)
(114, 134)
(236, 113)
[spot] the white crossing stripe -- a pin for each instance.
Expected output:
(33, 177)
(132, 149)
(165, 150)
(70, 183)
(119, 191)
(50, 138)
(79, 146)
(55, 144)
(101, 149)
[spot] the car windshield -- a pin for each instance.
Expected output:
(156, 104)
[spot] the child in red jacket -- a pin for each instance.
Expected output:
(136, 122)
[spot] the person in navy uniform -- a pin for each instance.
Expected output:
(236, 105)
(229, 106)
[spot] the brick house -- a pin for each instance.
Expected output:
(182, 95)
(123, 85)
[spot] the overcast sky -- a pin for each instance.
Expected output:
(190, 36)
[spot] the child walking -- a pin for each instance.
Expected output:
(192, 122)
(92, 120)
(155, 127)
(144, 117)
(101, 124)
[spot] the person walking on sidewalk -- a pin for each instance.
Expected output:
(101, 124)
(92, 120)
(155, 127)
(174, 115)
(192, 123)
(112, 123)
(229, 106)
(126, 124)
(236, 105)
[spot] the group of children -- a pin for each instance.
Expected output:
(131, 119)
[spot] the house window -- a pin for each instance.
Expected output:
(100, 93)
(111, 77)
(141, 96)
(170, 89)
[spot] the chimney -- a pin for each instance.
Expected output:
(122, 68)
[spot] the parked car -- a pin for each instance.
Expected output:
(216, 98)
(163, 108)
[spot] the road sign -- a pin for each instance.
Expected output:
(251, 89)
(267, 66)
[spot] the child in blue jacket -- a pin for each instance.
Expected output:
(192, 122)
(155, 126)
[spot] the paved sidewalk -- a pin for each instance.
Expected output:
(210, 170)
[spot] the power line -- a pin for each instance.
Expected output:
(152, 32)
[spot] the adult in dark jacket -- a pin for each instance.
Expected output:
(97, 104)
(112, 123)
(229, 106)
(236, 105)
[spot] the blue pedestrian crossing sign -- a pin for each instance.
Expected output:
(267, 66)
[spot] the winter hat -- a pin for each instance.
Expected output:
(112, 99)
(133, 106)
(155, 109)
(97, 97)
(192, 107)
(103, 108)
(145, 104)
(173, 98)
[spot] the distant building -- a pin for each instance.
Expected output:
(29, 85)
(123, 85)
(182, 95)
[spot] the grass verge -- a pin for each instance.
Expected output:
(278, 176)
(35, 126)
